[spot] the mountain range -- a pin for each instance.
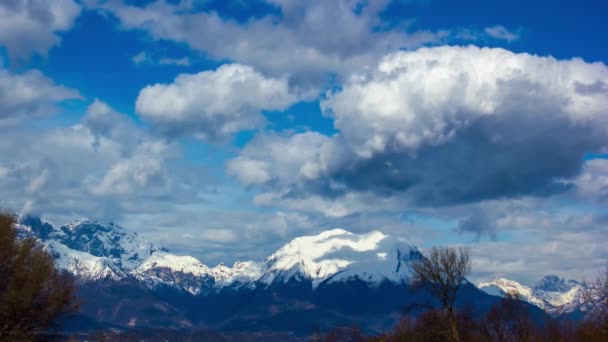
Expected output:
(313, 283)
(553, 294)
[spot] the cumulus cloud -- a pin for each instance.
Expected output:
(213, 105)
(100, 167)
(248, 171)
(307, 40)
(144, 170)
(32, 26)
(29, 94)
(446, 125)
(502, 33)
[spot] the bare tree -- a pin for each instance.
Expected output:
(594, 299)
(508, 320)
(443, 271)
(33, 293)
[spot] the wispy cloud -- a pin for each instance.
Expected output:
(502, 33)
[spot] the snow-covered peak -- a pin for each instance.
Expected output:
(125, 249)
(553, 283)
(339, 255)
(191, 275)
(83, 265)
(175, 263)
(241, 273)
(552, 294)
(501, 286)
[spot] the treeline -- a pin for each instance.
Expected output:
(507, 321)
(443, 271)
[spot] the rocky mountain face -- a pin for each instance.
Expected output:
(553, 294)
(310, 284)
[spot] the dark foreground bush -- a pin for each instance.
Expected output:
(33, 293)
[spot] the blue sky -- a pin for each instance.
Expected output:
(222, 129)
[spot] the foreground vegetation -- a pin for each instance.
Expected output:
(443, 272)
(33, 293)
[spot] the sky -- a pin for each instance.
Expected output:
(223, 129)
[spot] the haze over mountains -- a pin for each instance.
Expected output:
(333, 278)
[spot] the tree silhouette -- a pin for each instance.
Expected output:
(443, 271)
(594, 300)
(33, 293)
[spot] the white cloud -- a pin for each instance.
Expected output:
(130, 175)
(37, 183)
(308, 40)
(248, 171)
(140, 58)
(213, 105)
(347, 204)
(440, 126)
(220, 235)
(100, 167)
(144, 57)
(32, 26)
(278, 158)
(501, 32)
(427, 97)
(29, 94)
(592, 183)
(571, 248)
(184, 61)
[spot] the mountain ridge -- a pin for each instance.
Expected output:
(313, 282)
(93, 251)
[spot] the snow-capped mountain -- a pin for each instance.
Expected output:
(189, 274)
(336, 255)
(92, 251)
(332, 278)
(125, 249)
(553, 294)
(83, 265)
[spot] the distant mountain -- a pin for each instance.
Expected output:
(313, 283)
(93, 251)
(125, 249)
(83, 265)
(553, 294)
(163, 269)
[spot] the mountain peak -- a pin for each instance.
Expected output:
(553, 283)
(183, 264)
(502, 286)
(552, 293)
(125, 249)
(339, 254)
(82, 264)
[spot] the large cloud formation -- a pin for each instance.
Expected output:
(31, 26)
(213, 105)
(441, 126)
